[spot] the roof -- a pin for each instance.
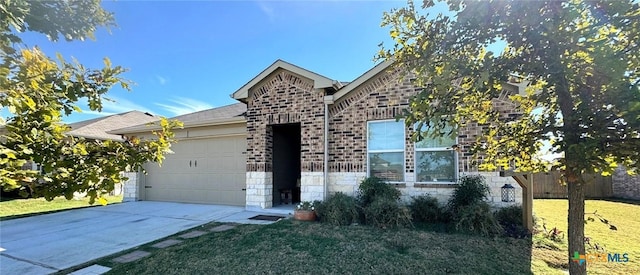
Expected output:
(362, 79)
(228, 114)
(319, 81)
(98, 128)
(228, 111)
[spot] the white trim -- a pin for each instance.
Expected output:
(403, 150)
(203, 123)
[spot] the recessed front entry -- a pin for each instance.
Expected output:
(286, 148)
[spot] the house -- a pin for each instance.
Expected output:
(301, 134)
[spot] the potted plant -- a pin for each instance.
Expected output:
(305, 211)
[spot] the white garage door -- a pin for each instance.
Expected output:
(210, 170)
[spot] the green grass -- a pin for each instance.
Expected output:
(301, 248)
(18, 208)
(294, 247)
(624, 215)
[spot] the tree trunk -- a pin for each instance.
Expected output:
(576, 223)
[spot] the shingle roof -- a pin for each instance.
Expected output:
(228, 111)
(233, 113)
(97, 128)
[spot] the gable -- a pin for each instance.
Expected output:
(318, 80)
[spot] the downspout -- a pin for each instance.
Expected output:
(327, 100)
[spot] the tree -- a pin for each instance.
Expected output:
(37, 91)
(580, 59)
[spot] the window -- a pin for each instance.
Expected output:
(436, 159)
(385, 149)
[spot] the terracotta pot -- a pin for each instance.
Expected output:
(304, 215)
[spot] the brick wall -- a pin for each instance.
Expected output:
(285, 97)
(385, 96)
(280, 99)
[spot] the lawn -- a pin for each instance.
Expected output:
(16, 208)
(294, 247)
(307, 247)
(626, 239)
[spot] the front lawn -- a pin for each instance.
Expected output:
(294, 247)
(316, 248)
(17, 208)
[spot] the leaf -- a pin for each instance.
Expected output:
(102, 201)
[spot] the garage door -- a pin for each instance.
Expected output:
(209, 170)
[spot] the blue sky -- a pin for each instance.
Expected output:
(186, 56)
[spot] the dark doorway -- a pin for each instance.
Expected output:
(286, 163)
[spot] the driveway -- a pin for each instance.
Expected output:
(48, 243)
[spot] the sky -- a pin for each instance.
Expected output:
(186, 56)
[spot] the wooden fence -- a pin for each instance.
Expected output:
(547, 186)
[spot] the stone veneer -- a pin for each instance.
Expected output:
(284, 97)
(624, 185)
(131, 187)
(311, 186)
(348, 183)
(259, 189)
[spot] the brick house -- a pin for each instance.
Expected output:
(300, 136)
(363, 136)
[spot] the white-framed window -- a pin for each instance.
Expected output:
(386, 149)
(435, 158)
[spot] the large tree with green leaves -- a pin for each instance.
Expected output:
(580, 58)
(37, 91)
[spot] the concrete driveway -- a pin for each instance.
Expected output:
(48, 243)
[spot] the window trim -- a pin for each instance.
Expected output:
(403, 150)
(436, 149)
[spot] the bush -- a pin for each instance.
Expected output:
(426, 209)
(339, 209)
(477, 218)
(510, 218)
(470, 190)
(373, 188)
(509, 215)
(385, 212)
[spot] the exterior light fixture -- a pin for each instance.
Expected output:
(508, 193)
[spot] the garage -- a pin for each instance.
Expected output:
(201, 170)
(208, 164)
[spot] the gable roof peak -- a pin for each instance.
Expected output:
(319, 81)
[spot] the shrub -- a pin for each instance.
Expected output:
(426, 209)
(477, 218)
(373, 188)
(339, 209)
(509, 215)
(510, 218)
(470, 190)
(386, 212)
